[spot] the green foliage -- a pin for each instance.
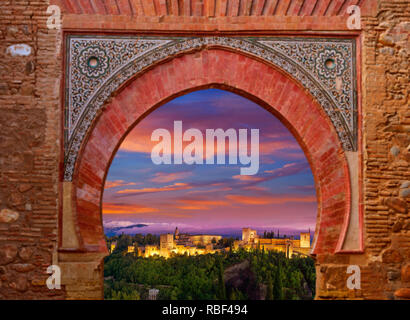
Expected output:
(278, 286)
(270, 234)
(120, 291)
(201, 277)
(225, 242)
(125, 240)
(221, 282)
(269, 289)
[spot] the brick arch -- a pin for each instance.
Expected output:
(260, 82)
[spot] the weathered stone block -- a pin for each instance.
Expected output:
(403, 293)
(8, 216)
(8, 253)
(405, 273)
(25, 253)
(23, 267)
(396, 204)
(392, 256)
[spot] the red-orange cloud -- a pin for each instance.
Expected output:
(164, 177)
(173, 187)
(139, 140)
(118, 183)
(200, 204)
(248, 178)
(115, 208)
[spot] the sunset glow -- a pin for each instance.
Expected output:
(199, 198)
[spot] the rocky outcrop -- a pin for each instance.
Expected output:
(240, 277)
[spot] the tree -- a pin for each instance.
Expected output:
(269, 292)
(232, 296)
(221, 282)
(277, 287)
(202, 277)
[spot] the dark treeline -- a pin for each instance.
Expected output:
(270, 275)
(272, 235)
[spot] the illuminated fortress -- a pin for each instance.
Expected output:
(183, 243)
(179, 243)
(290, 246)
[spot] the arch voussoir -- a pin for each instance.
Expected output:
(256, 80)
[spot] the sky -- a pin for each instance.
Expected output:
(210, 198)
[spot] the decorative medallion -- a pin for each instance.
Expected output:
(330, 64)
(93, 62)
(98, 66)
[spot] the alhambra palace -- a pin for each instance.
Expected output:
(75, 78)
(179, 243)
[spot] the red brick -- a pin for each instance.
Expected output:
(86, 6)
(295, 7)
(233, 8)
(124, 7)
(258, 7)
(321, 7)
(282, 7)
(270, 7)
(73, 6)
(347, 4)
(197, 8)
(111, 6)
(137, 8)
(308, 8)
(98, 6)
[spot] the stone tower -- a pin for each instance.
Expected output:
(248, 235)
(166, 241)
(305, 240)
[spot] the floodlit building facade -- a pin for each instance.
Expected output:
(291, 247)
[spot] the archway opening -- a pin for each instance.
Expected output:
(212, 216)
(276, 91)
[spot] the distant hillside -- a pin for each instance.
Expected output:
(113, 231)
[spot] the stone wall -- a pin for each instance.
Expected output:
(385, 116)
(31, 133)
(30, 114)
(386, 119)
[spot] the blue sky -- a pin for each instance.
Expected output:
(208, 197)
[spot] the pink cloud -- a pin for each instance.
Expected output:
(118, 183)
(200, 204)
(288, 169)
(248, 178)
(173, 187)
(139, 140)
(256, 188)
(164, 177)
(272, 199)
